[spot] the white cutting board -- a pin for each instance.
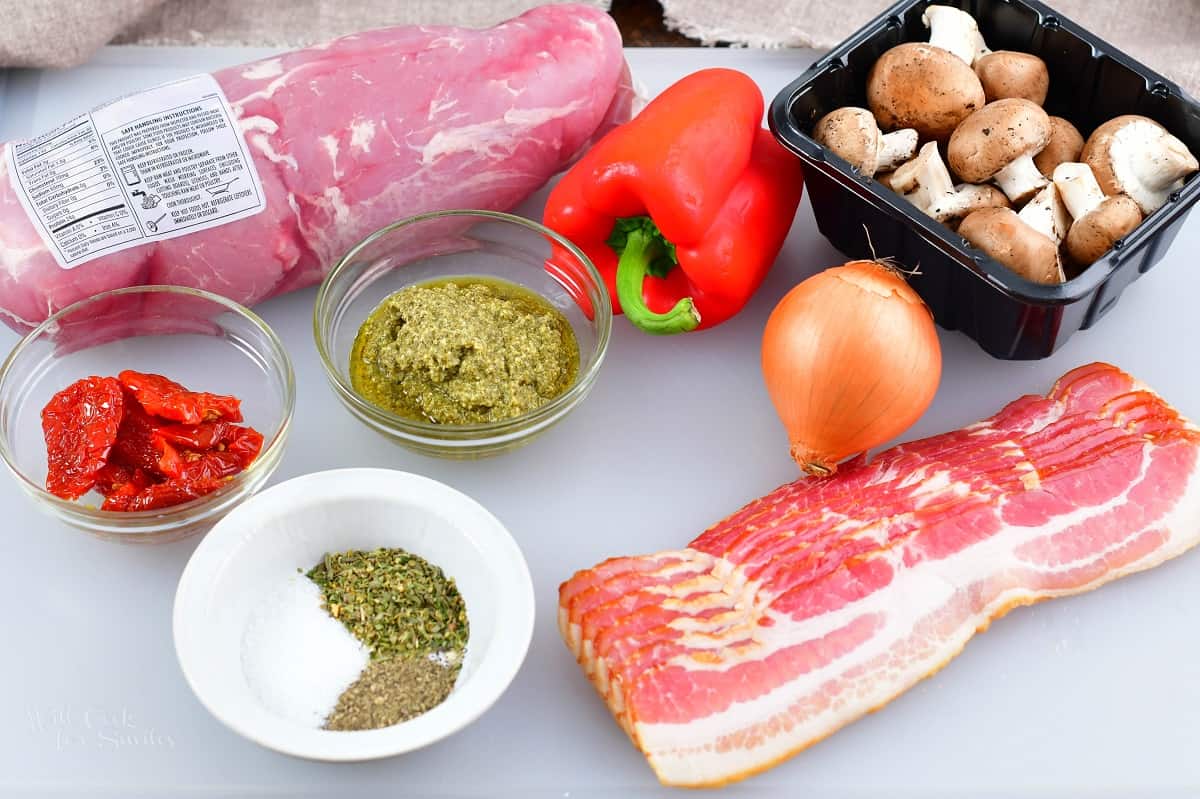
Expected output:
(1097, 695)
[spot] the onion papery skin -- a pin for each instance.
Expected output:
(851, 360)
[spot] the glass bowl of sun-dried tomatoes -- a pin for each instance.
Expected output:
(145, 414)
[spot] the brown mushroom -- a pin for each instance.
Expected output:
(852, 134)
(925, 182)
(923, 179)
(998, 142)
(954, 30)
(1066, 143)
(969, 198)
(916, 85)
(1006, 73)
(1000, 233)
(1047, 214)
(1100, 221)
(1135, 155)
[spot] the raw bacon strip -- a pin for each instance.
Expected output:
(827, 598)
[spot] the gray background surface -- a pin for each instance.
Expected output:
(1096, 695)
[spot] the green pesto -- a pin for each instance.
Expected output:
(464, 350)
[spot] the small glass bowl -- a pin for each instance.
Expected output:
(202, 340)
(461, 244)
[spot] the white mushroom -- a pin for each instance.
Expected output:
(916, 85)
(926, 183)
(1047, 214)
(1135, 155)
(998, 142)
(956, 31)
(852, 134)
(1100, 221)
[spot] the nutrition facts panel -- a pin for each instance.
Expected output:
(70, 180)
(147, 167)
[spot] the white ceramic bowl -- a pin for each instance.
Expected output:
(292, 525)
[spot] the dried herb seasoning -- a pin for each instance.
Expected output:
(391, 690)
(396, 603)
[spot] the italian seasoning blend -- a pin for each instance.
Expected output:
(464, 350)
(413, 620)
(393, 690)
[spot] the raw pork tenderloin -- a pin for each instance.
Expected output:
(357, 133)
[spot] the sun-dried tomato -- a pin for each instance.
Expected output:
(170, 461)
(120, 497)
(162, 495)
(115, 478)
(80, 425)
(199, 437)
(138, 443)
(169, 400)
(155, 445)
(246, 444)
(216, 450)
(119, 484)
(210, 466)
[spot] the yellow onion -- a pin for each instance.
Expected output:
(851, 359)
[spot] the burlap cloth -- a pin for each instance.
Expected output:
(1162, 33)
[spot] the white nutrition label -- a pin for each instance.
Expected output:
(149, 166)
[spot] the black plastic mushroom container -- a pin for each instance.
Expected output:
(1090, 83)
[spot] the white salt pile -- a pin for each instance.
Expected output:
(296, 657)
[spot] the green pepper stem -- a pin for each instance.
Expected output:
(632, 269)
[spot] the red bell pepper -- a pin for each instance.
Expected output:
(683, 209)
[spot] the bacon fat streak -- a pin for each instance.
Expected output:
(825, 599)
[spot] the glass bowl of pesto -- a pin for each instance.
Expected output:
(200, 339)
(462, 333)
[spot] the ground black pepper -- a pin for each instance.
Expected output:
(392, 690)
